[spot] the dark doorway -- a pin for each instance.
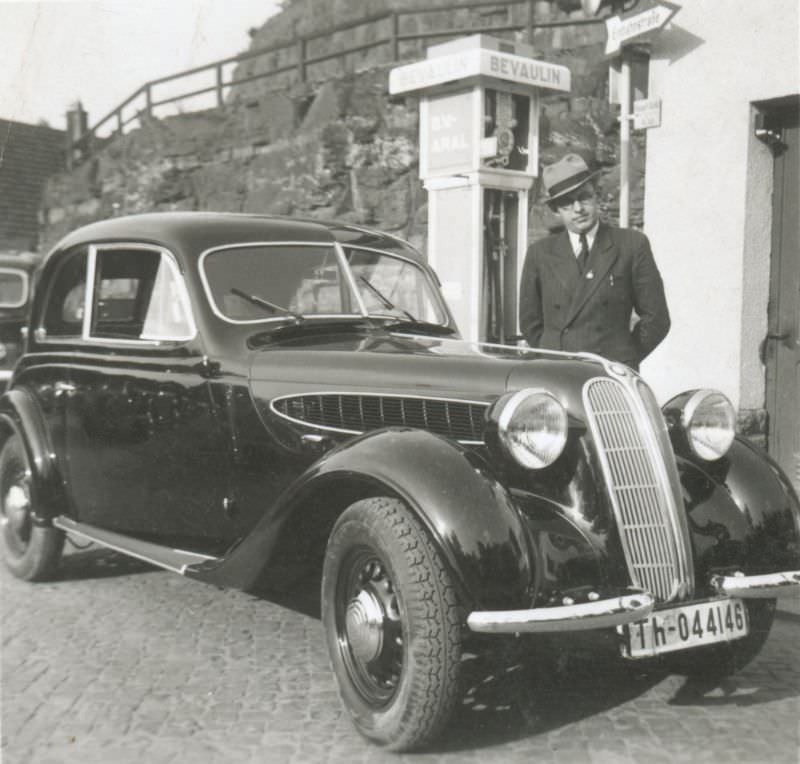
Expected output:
(781, 126)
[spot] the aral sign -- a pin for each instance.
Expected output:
(622, 29)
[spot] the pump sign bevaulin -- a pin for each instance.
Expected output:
(474, 63)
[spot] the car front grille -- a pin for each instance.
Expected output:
(357, 413)
(638, 489)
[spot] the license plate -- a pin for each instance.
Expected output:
(678, 628)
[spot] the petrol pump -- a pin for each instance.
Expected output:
(479, 143)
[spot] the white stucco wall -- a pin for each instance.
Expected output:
(709, 186)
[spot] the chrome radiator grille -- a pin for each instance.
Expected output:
(357, 413)
(638, 493)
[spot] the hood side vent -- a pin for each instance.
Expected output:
(354, 414)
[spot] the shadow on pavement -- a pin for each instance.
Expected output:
(98, 562)
(738, 690)
(515, 701)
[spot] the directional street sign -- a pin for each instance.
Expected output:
(625, 29)
(646, 113)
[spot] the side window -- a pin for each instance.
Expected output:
(138, 296)
(65, 302)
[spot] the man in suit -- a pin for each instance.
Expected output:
(581, 287)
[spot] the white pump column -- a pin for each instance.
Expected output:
(479, 144)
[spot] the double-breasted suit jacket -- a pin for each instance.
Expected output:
(562, 309)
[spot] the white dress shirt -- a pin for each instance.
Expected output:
(575, 239)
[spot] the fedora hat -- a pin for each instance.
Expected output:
(565, 175)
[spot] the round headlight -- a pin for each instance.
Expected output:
(709, 421)
(533, 428)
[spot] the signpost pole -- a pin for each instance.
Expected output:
(625, 140)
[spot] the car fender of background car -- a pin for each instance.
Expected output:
(245, 400)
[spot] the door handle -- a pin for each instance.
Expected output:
(61, 388)
(782, 336)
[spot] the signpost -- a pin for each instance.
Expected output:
(625, 29)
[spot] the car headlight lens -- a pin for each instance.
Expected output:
(533, 428)
(709, 421)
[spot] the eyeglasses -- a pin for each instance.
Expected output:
(584, 196)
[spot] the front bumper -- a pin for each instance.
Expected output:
(589, 615)
(628, 608)
(767, 586)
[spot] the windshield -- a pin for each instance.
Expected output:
(272, 282)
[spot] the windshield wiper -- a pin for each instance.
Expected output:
(272, 307)
(385, 301)
(418, 323)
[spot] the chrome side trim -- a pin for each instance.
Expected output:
(176, 560)
(602, 614)
(767, 586)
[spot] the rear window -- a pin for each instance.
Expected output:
(13, 288)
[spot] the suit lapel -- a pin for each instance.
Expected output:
(601, 258)
(562, 263)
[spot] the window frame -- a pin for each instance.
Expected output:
(348, 278)
(183, 296)
(26, 286)
(90, 252)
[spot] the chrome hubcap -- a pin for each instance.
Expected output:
(17, 507)
(364, 626)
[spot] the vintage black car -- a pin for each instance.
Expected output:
(16, 287)
(242, 399)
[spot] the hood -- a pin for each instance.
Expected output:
(387, 362)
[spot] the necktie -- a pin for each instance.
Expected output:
(583, 255)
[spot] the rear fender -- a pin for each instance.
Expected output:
(467, 512)
(743, 513)
(20, 415)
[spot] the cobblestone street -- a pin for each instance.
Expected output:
(117, 662)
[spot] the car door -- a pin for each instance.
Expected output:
(146, 453)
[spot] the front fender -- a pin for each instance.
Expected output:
(466, 510)
(743, 514)
(20, 415)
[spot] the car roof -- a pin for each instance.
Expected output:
(24, 260)
(192, 233)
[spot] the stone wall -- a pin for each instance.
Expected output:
(335, 145)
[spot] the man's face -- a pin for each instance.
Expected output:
(578, 210)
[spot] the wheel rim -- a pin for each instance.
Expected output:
(369, 627)
(16, 508)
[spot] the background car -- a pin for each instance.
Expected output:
(16, 287)
(243, 399)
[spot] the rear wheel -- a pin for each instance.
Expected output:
(30, 551)
(722, 660)
(392, 624)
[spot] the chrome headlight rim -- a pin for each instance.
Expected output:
(519, 453)
(689, 412)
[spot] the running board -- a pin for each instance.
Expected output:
(176, 560)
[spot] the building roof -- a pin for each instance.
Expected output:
(29, 154)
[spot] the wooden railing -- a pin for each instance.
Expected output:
(142, 103)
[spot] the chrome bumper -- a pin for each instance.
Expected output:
(590, 615)
(770, 585)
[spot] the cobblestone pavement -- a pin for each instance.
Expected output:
(118, 662)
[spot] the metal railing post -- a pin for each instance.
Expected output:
(301, 59)
(395, 30)
(148, 100)
(530, 22)
(120, 124)
(220, 93)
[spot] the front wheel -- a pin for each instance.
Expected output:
(30, 551)
(392, 624)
